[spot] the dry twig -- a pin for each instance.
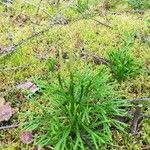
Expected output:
(9, 127)
(11, 49)
(87, 142)
(137, 118)
(97, 60)
(104, 24)
(15, 68)
(139, 99)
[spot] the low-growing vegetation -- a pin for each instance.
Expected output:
(123, 65)
(74, 75)
(84, 105)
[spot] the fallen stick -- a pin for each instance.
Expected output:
(137, 118)
(104, 24)
(40, 8)
(139, 99)
(9, 127)
(146, 148)
(14, 68)
(100, 60)
(130, 11)
(97, 59)
(15, 46)
(87, 142)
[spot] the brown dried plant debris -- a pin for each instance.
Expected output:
(21, 19)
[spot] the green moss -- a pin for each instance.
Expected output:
(78, 34)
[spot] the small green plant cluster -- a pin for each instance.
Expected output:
(123, 65)
(77, 111)
(139, 4)
(82, 6)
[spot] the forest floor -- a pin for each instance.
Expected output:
(33, 33)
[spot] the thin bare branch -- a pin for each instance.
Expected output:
(137, 118)
(11, 49)
(104, 24)
(139, 100)
(15, 68)
(99, 22)
(9, 127)
(87, 142)
(97, 59)
(39, 8)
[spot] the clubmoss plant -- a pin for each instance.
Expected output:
(82, 5)
(123, 64)
(139, 4)
(77, 111)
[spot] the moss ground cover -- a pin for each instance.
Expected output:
(71, 33)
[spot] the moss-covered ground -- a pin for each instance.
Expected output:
(73, 34)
